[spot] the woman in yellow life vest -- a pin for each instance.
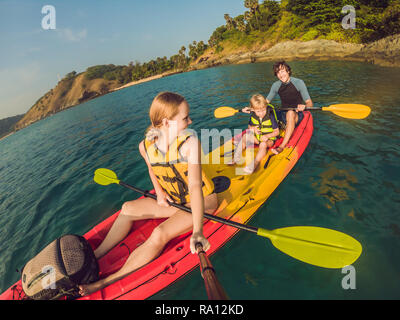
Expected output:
(173, 158)
(263, 131)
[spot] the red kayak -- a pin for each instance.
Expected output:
(239, 197)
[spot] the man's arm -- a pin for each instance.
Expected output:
(301, 86)
(274, 91)
(302, 107)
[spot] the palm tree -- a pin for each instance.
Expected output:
(193, 50)
(229, 21)
(254, 7)
(248, 15)
(239, 22)
(182, 57)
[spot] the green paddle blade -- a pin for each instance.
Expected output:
(224, 112)
(349, 111)
(105, 177)
(314, 245)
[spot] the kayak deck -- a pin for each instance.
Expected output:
(239, 195)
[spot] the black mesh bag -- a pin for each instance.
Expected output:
(59, 268)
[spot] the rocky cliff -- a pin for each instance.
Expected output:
(385, 52)
(69, 92)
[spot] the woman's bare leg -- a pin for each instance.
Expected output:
(144, 208)
(180, 222)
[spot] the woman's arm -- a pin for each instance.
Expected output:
(195, 184)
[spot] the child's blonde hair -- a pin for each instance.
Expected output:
(258, 101)
(164, 106)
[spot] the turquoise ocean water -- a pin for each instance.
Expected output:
(348, 179)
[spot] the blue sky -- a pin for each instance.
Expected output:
(90, 33)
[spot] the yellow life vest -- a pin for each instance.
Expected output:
(265, 124)
(171, 170)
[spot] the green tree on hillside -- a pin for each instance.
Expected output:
(253, 5)
(240, 23)
(391, 19)
(70, 75)
(196, 49)
(182, 58)
(229, 22)
(216, 36)
(269, 13)
(248, 16)
(97, 72)
(317, 11)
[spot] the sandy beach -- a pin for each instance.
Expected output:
(7, 135)
(158, 76)
(139, 81)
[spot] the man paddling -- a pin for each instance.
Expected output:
(294, 94)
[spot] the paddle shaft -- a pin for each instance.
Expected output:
(206, 215)
(308, 108)
(348, 111)
(213, 287)
(317, 246)
(291, 108)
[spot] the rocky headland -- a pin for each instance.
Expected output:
(385, 52)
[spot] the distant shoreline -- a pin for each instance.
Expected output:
(158, 76)
(317, 50)
(7, 135)
(133, 83)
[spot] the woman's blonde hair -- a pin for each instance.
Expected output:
(258, 101)
(164, 106)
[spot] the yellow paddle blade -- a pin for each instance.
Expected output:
(224, 112)
(314, 245)
(350, 111)
(105, 177)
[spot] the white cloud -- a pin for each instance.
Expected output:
(73, 36)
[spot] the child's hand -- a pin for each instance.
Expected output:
(246, 110)
(264, 138)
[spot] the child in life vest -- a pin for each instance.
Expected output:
(173, 158)
(262, 130)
